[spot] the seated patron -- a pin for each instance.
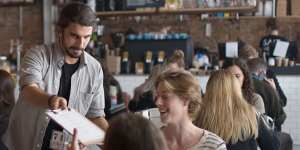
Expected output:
(178, 99)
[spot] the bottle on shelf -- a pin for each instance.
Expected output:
(125, 63)
(4, 64)
(148, 62)
(139, 68)
(113, 95)
(161, 57)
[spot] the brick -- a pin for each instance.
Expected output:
(32, 26)
(295, 7)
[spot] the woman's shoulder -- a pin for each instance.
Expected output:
(210, 141)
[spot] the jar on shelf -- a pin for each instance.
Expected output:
(189, 4)
(4, 64)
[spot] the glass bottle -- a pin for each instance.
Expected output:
(4, 64)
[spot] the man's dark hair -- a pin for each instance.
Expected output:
(255, 64)
(76, 12)
(271, 24)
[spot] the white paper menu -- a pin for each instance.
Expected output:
(281, 48)
(231, 50)
(88, 132)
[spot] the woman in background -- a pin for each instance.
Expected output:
(225, 112)
(178, 99)
(143, 94)
(108, 82)
(176, 61)
(239, 69)
(7, 101)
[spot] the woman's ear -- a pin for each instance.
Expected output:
(185, 101)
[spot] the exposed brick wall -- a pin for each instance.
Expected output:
(32, 25)
(248, 29)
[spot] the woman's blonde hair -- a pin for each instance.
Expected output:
(225, 112)
(183, 84)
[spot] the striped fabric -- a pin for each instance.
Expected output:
(210, 141)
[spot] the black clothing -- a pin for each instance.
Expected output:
(65, 79)
(271, 100)
(144, 102)
(64, 91)
(286, 141)
(250, 144)
(268, 43)
(268, 138)
(106, 85)
(5, 110)
(272, 75)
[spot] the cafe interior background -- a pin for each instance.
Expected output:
(136, 34)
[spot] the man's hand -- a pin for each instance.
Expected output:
(56, 102)
(271, 82)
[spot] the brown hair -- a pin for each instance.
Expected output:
(178, 58)
(184, 85)
(76, 12)
(248, 52)
(7, 87)
(133, 132)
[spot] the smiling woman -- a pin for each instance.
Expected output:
(178, 98)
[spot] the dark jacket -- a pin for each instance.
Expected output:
(268, 43)
(245, 145)
(272, 75)
(271, 100)
(145, 101)
(5, 110)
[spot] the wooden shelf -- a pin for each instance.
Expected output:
(176, 12)
(9, 4)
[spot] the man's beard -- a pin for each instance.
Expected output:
(73, 52)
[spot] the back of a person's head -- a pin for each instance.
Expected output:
(224, 111)
(248, 52)
(76, 12)
(177, 58)
(183, 84)
(133, 132)
(256, 64)
(7, 87)
(271, 24)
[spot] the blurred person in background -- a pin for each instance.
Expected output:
(268, 42)
(108, 81)
(262, 86)
(7, 102)
(239, 68)
(143, 94)
(272, 100)
(225, 112)
(249, 52)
